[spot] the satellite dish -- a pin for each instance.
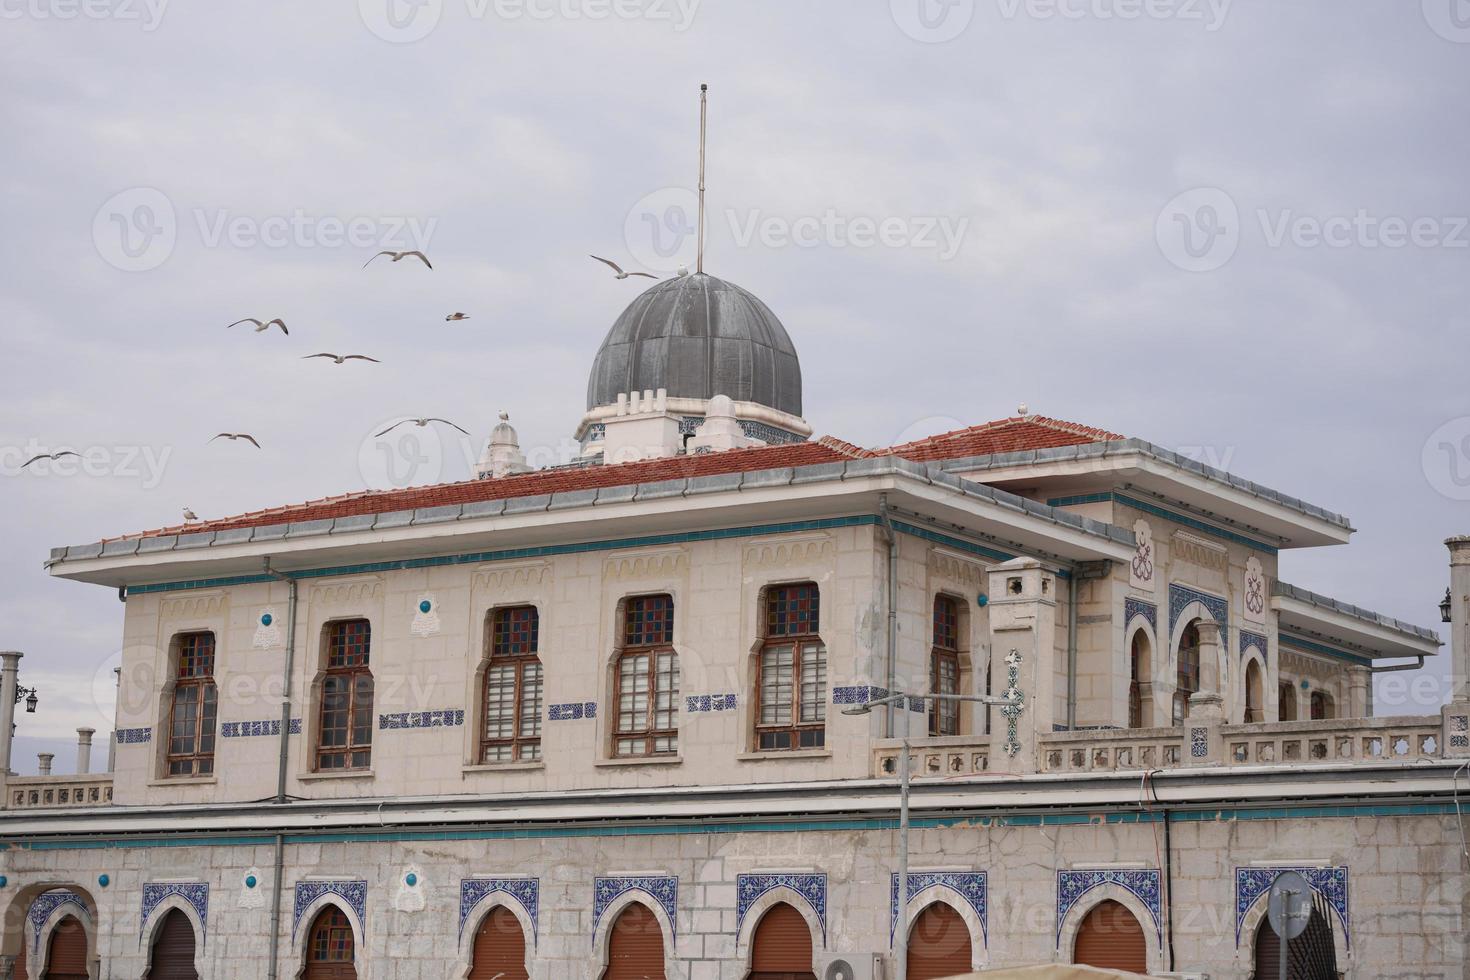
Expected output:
(839, 970)
(1289, 905)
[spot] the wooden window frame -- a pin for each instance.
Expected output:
(798, 735)
(523, 747)
(945, 652)
(1181, 693)
(205, 727)
(352, 674)
(636, 644)
(326, 923)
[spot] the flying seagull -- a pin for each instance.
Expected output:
(262, 325)
(456, 316)
(621, 275)
(399, 257)
(189, 516)
(232, 436)
(420, 423)
(64, 452)
(343, 358)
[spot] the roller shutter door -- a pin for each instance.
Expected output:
(635, 951)
(939, 944)
(173, 949)
(782, 948)
(66, 957)
(1111, 938)
(500, 948)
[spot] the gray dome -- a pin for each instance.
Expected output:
(697, 337)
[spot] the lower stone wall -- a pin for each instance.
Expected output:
(1022, 885)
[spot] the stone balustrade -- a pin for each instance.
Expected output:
(38, 792)
(963, 755)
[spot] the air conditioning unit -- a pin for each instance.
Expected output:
(851, 966)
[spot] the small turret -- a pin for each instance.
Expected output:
(502, 455)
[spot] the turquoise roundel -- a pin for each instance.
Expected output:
(104, 880)
(250, 881)
(4, 881)
(411, 880)
(266, 619)
(425, 606)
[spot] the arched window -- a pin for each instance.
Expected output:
(513, 687)
(1140, 676)
(944, 667)
(192, 714)
(791, 675)
(173, 949)
(1255, 693)
(782, 946)
(647, 680)
(66, 953)
(329, 947)
(1188, 679)
(500, 948)
(1322, 706)
(345, 732)
(939, 944)
(1111, 938)
(635, 947)
(1285, 701)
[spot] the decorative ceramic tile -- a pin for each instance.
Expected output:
(575, 711)
(196, 893)
(1180, 596)
(970, 885)
(1199, 743)
(811, 887)
(663, 890)
(701, 703)
(1141, 568)
(353, 892)
(869, 694)
(525, 892)
(403, 720)
(1255, 591)
(1460, 731)
(1142, 883)
(1253, 884)
(1249, 639)
(1137, 607)
(251, 729)
(134, 736)
(49, 902)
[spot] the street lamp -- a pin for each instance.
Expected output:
(1444, 607)
(902, 700)
(31, 695)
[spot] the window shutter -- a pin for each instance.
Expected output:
(1111, 938)
(939, 944)
(67, 953)
(173, 949)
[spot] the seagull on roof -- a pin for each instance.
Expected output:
(621, 275)
(64, 452)
(456, 316)
(343, 358)
(420, 423)
(262, 325)
(400, 256)
(189, 516)
(233, 436)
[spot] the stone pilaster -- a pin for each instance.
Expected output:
(1456, 714)
(1023, 654)
(1203, 744)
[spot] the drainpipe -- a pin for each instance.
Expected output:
(1375, 669)
(1169, 886)
(892, 606)
(285, 743)
(1072, 651)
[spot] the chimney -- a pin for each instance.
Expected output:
(84, 750)
(642, 429)
(721, 429)
(43, 762)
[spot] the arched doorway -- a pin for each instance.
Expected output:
(939, 944)
(1285, 701)
(782, 947)
(1268, 953)
(1187, 679)
(1322, 706)
(1140, 674)
(1255, 693)
(330, 947)
(173, 949)
(635, 946)
(1111, 938)
(500, 948)
(66, 953)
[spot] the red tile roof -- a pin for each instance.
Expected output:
(1005, 435)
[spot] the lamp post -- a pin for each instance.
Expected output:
(1446, 607)
(902, 700)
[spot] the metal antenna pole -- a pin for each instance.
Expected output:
(703, 130)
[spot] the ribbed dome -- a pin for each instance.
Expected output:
(697, 337)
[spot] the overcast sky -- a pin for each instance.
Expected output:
(1232, 228)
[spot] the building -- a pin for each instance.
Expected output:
(607, 719)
